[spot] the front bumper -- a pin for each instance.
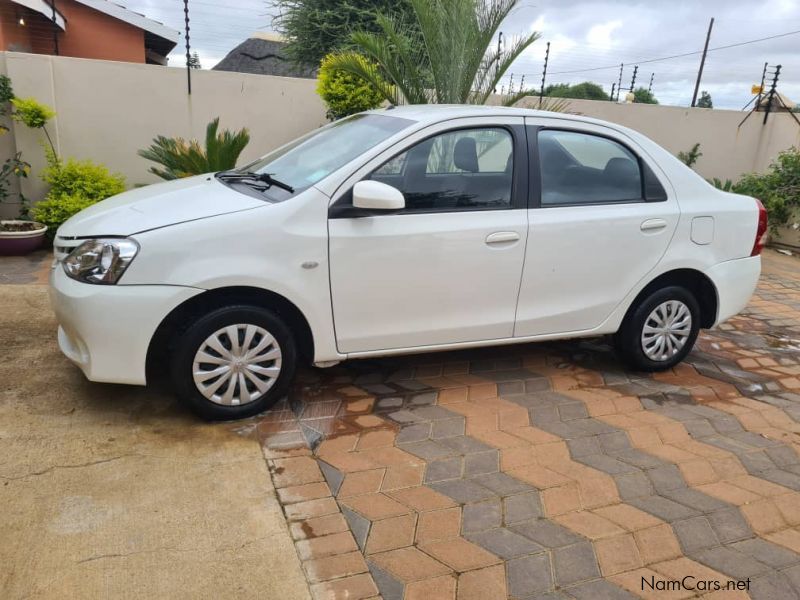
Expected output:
(106, 329)
(735, 280)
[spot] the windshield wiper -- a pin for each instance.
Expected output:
(265, 178)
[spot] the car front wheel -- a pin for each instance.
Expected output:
(234, 362)
(660, 331)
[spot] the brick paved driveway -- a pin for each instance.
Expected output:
(546, 470)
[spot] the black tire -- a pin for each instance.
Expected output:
(191, 340)
(628, 340)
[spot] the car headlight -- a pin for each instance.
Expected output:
(101, 261)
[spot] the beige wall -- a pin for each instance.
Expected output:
(108, 110)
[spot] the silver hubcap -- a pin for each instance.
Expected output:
(237, 364)
(666, 330)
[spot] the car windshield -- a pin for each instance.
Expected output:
(307, 160)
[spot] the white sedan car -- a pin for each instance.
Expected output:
(403, 230)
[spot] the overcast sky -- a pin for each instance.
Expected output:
(585, 36)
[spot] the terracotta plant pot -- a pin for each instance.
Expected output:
(15, 243)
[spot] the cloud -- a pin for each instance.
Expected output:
(600, 35)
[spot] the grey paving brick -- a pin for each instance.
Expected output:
(544, 414)
(792, 574)
(695, 534)
(538, 384)
(729, 525)
(613, 442)
(599, 589)
(548, 534)
(633, 485)
(753, 439)
(418, 399)
(502, 484)
(755, 462)
(481, 463)
(575, 410)
(428, 450)
(726, 424)
(529, 575)
(463, 491)
(389, 587)
(414, 433)
(696, 499)
(782, 477)
(770, 554)
(510, 388)
(481, 516)
(773, 586)
(358, 525)
(522, 507)
(731, 562)
(593, 426)
(505, 543)
(585, 446)
(663, 508)
(387, 403)
(333, 476)
(575, 563)
(464, 444)
(444, 469)
(434, 413)
(447, 428)
(699, 428)
(404, 416)
(666, 477)
(605, 463)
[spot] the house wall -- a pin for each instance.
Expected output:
(89, 33)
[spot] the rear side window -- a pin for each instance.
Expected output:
(581, 168)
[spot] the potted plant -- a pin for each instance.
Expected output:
(18, 236)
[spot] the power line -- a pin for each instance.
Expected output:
(651, 60)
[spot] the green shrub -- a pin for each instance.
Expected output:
(53, 211)
(31, 112)
(690, 158)
(183, 159)
(345, 93)
(74, 185)
(778, 188)
(81, 178)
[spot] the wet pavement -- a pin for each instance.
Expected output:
(549, 471)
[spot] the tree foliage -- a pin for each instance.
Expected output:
(705, 100)
(447, 57)
(690, 157)
(778, 188)
(586, 91)
(644, 96)
(181, 158)
(345, 93)
(315, 28)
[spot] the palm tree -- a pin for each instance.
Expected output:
(445, 59)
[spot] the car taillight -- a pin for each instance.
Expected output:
(761, 232)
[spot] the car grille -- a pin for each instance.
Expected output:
(63, 246)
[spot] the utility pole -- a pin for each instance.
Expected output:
(188, 54)
(619, 83)
(613, 87)
(650, 87)
(633, 79)
(544, 73)
(771, 95)
(702, 63)
(55, 27)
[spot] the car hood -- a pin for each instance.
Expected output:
(158, 205)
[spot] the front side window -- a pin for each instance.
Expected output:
(580, 168)
(466, 169)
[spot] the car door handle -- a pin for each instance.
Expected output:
(653, 224)
(502, 237)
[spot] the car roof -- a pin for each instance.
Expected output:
(434, 113)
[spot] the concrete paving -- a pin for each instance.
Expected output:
(116, 492)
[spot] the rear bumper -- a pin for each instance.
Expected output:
(735, 280)
(106, 329)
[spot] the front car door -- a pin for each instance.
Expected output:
(602, 216)
(447, 268)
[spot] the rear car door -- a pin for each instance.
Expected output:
(602, 215)
(447, 268)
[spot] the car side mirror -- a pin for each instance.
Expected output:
(374, 195)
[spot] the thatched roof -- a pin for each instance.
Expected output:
(263, 54)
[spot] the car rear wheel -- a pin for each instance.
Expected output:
(234, 362)
(660, 331)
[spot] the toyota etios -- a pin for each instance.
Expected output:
(409, 229)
